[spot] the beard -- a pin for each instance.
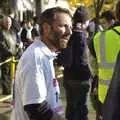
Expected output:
(63, 43)
(58, 41)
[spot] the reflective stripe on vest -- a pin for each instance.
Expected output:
(103, 63)
(104, 82)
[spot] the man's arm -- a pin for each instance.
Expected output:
(93, 65)
(39, 111)
(92, 59)
(34, 94)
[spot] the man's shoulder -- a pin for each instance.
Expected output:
(78, 35)
(36, 49)
(117, 28)
(97, 35)
(113, 31)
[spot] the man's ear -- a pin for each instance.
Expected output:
(46, 28)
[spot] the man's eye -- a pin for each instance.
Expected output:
(61, 25)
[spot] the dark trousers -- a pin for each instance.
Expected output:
(77, 94)
(6, 79)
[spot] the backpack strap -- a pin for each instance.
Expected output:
(116, 31)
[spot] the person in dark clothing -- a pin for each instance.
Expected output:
(15, 24)
(76, 73)
(36, 23)
(28, 34)
(92, 29)
(76, 78)
(108, 19)
(8, 49)
(16, 28)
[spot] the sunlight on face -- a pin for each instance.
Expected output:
(61, 30)
(7, 22)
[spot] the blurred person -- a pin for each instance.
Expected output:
(35, 23)
(36, 88)
(8, 49)
(22, 26)
(76, 73)
(105, 48)
(16, 28)
(15, 24)
(108, 19)
(36, 29)
(28, 34)
(92, 29)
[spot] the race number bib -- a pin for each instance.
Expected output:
(57, 104)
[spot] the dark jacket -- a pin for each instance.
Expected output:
(72, 58)
(15, 25)
(24, 38)
(6, 45)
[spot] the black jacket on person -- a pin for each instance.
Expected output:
(25, 40)
(5, 51)
(72, 58)
(15, 25)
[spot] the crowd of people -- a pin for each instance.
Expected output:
(58, 38)
(14, 39)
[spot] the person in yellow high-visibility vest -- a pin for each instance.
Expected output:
(105, 48)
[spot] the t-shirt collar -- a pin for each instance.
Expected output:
(46, 50)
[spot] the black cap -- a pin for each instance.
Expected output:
(81, 15)
(108, 15)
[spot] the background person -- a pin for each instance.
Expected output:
(76, 73)
(105, 48)
(28, 34)
(108, 19)
(8, 42)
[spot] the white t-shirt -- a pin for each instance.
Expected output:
(34, 79)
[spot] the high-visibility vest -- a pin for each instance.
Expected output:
(107, 46)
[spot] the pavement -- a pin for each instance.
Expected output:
(5, 110)
(5, 107)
